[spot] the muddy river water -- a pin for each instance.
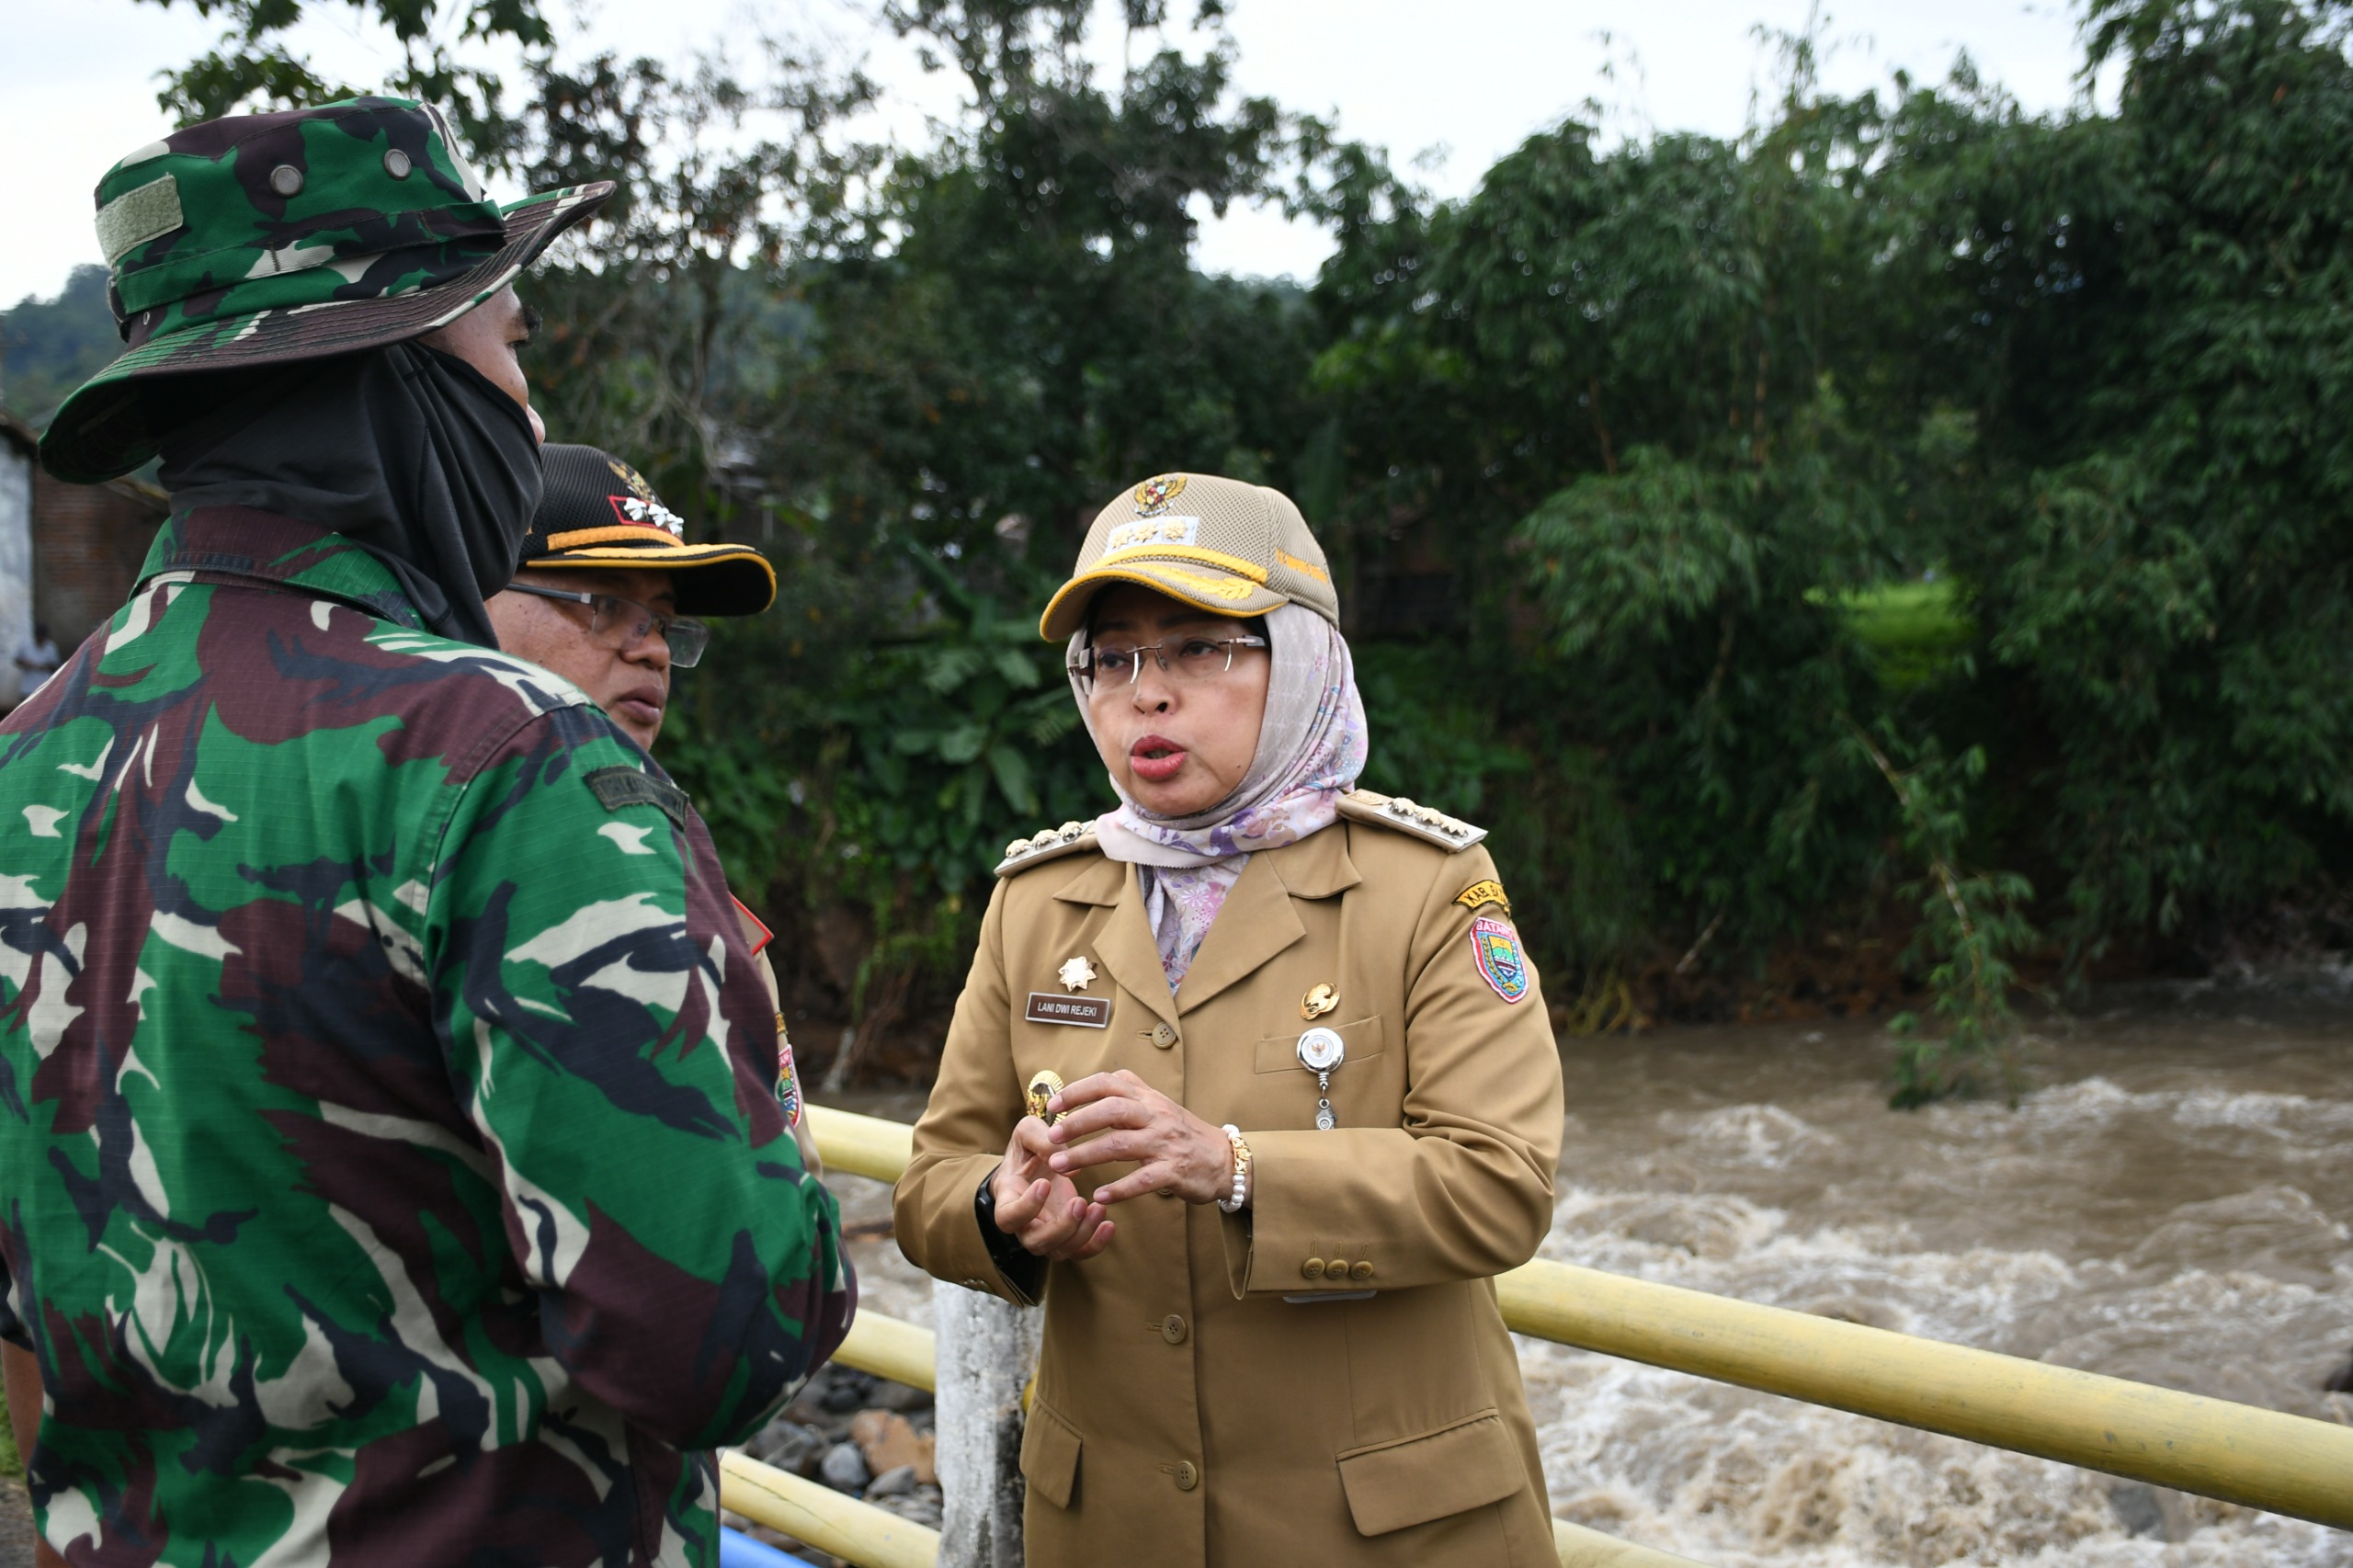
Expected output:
(2171, 1205)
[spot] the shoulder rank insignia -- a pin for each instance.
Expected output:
(1479, 894)
(1421, 822)
(1046, 844)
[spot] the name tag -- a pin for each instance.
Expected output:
(1084, 1012)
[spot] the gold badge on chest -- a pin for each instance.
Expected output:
(1044, 1084)
(1319, 1000)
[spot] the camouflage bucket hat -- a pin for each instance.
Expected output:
(1218, 544)
(264, 239)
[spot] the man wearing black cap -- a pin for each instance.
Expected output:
(389, 1168)
(605, 597)
(609, 590)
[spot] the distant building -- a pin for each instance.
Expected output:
(16, 466)
(69, 553)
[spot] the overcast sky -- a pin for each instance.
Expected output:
(1463, 84)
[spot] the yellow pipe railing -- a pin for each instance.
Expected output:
(854, 1531)
(895, 1351)
(2286, 1465)
(862, 1145)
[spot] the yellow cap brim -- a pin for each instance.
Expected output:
(713, 579)
(1197, 577)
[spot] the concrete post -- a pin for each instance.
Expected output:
(986, 1351)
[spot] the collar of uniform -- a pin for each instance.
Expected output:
(1099, 879)
(1317, 865)
(1314, 867)
(243, 542)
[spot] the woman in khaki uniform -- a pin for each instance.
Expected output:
(1252, 1084)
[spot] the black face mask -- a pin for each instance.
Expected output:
(413, 454)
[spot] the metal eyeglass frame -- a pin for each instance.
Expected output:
(683, 635)
(1084, 672)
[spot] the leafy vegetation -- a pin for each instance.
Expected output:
(1914, 526)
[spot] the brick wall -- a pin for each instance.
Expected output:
(88, 542)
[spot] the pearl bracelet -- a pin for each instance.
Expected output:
(1240, 1170)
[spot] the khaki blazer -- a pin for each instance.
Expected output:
(1324, 1378)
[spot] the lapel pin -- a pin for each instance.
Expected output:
(1076, 973)
(1319, 1000)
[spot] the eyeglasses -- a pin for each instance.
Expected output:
(624, 623)
(1187, 660)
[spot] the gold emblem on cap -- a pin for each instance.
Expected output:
(1076, 973)
(630, 477)
(1044, 1084)
(1153, 495)
(1319, 1000)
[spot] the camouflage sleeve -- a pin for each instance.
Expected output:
(605, 1026)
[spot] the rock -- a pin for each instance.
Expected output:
(786, 1445)
(920, 1507)
(889, 1441)
(845, 1469)
(899, 1483)
(846, 1390)
(900, 1397)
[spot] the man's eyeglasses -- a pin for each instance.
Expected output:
(1189, 660)
(624, 623)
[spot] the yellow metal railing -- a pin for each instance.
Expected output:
(2286, 1465)
(854, 1531)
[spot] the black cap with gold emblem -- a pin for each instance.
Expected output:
(600, 513)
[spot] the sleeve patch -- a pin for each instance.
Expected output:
(1483, 893)
(787, 1077)
(621, 786)
(1495, 947)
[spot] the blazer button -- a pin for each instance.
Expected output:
(1187, 1475)
(1171, 1329)
(1162, 1036)
(1313, 1268)
(1360, 1271)
(1335, 1269)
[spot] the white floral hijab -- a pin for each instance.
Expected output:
(1311, 747)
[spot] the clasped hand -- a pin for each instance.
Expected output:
(1109, 1118)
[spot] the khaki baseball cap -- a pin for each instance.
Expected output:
(1218, 544)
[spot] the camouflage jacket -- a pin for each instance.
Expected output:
(390, 1160)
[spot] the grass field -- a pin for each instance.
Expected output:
(1915, 629)
(11, 1466)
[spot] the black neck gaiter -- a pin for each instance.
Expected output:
(411, 453)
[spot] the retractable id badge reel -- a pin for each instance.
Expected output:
(1321, 1051)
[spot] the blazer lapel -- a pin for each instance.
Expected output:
(1125, 943)
(1256, 923)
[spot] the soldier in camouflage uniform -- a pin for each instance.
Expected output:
(390, 1165)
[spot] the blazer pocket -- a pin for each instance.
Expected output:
(1279, 1053)
(1411, 1481)
(1050, 1454)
